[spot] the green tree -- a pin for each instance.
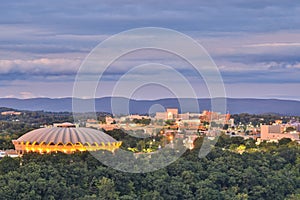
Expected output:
(106, 189)
(8, 164)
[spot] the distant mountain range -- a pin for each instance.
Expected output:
(253, 106)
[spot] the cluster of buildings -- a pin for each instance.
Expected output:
(193, 124)
(172, 114)
(267, 132)
(187, 121)
(68, 138)
(170, 123)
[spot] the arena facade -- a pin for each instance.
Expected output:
(65, 137)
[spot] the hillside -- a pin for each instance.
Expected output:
(252, 106)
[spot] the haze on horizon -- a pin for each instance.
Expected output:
(255, 44)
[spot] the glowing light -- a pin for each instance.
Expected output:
(66, 148)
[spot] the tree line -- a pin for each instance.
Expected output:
(272, 173)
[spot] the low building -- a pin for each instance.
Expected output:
(132, 117)
(275, 133)
(185, 116)
(108, 127)
(161, 115)
(64, 125)
(109, 120)
(9, 153)
(11, 113)
(92, 123)
(171, 113)
(192, 124)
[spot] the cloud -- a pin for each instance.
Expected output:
(94, 17)
(41, 66)
(278, 44)
(265, 72)
(282, 66)
(41, 69)
(251, 41)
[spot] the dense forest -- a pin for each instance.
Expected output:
(271, 172)
(234, 169)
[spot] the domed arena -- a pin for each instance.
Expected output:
(65, 138)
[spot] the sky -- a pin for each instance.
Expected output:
(255, 45)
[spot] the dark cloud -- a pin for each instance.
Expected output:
(94, 17)
(43, 49)
(62, 30)
(275, 73)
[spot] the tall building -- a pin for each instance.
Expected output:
(172, 113)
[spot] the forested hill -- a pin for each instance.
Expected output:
(252, 106)
(270, 171)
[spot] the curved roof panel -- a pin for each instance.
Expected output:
(66, 135)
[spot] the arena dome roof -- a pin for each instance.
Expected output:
(66, 135)
(65, 139)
